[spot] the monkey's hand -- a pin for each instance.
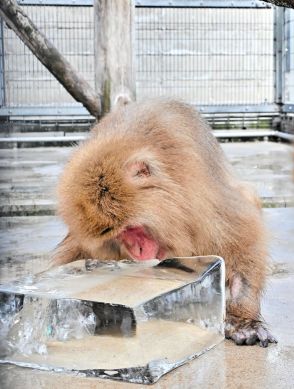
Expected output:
(248, 332)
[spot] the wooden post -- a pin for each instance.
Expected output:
(114, 63)
(50, 57)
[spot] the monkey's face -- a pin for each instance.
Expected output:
(121, 197)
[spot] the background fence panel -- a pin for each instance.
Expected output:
(27, 81)
(206, 56)
(217, 55)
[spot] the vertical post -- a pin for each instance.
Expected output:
(279, 48)
(2, 79)
(287, 40)
(114, 63)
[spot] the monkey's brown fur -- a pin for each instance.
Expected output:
(156, 165)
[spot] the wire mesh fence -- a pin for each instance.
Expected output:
(210, 57)
(27, 81)
(206, 56)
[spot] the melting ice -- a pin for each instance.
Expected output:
(121, 320)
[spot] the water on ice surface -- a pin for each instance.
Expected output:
(122, 320)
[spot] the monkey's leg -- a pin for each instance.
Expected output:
(244, 324)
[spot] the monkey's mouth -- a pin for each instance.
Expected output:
(140, 244)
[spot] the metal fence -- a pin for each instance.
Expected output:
(288, 60)
(207, 56)
(29, 88)
(218, 55)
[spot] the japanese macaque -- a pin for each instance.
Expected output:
(153, 182)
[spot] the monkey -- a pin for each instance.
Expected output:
(152, 181)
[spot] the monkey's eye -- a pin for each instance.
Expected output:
(106, 230)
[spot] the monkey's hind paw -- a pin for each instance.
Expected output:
(249, 333)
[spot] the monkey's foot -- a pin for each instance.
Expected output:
(248, 332)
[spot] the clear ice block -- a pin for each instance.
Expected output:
(122, 320)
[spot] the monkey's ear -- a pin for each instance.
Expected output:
(142, 164)
(139, 169)
(66, 251)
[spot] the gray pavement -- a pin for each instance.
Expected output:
(28, 179)
(25, 243)
(28, 176)
(268, 166)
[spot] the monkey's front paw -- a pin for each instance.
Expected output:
(248, 332)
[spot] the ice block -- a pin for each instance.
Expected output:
(122, 320)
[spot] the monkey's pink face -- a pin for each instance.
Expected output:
(135, 236)
(140, 244)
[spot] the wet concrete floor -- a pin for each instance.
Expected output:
(26, 241)
(28, 176)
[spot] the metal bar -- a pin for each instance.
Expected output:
(34, 141)
(285, 136)
(44, 139)
(254, 108)
(253, 134)
(72, 3)
(241, 133)
(278, 54)
(44, 111)
(287, 32)
(77, 138)
(202, 4)
(161, 3)
(2, 69)
(81, 111)
(288, 62)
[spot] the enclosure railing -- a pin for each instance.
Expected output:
(221, 56)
